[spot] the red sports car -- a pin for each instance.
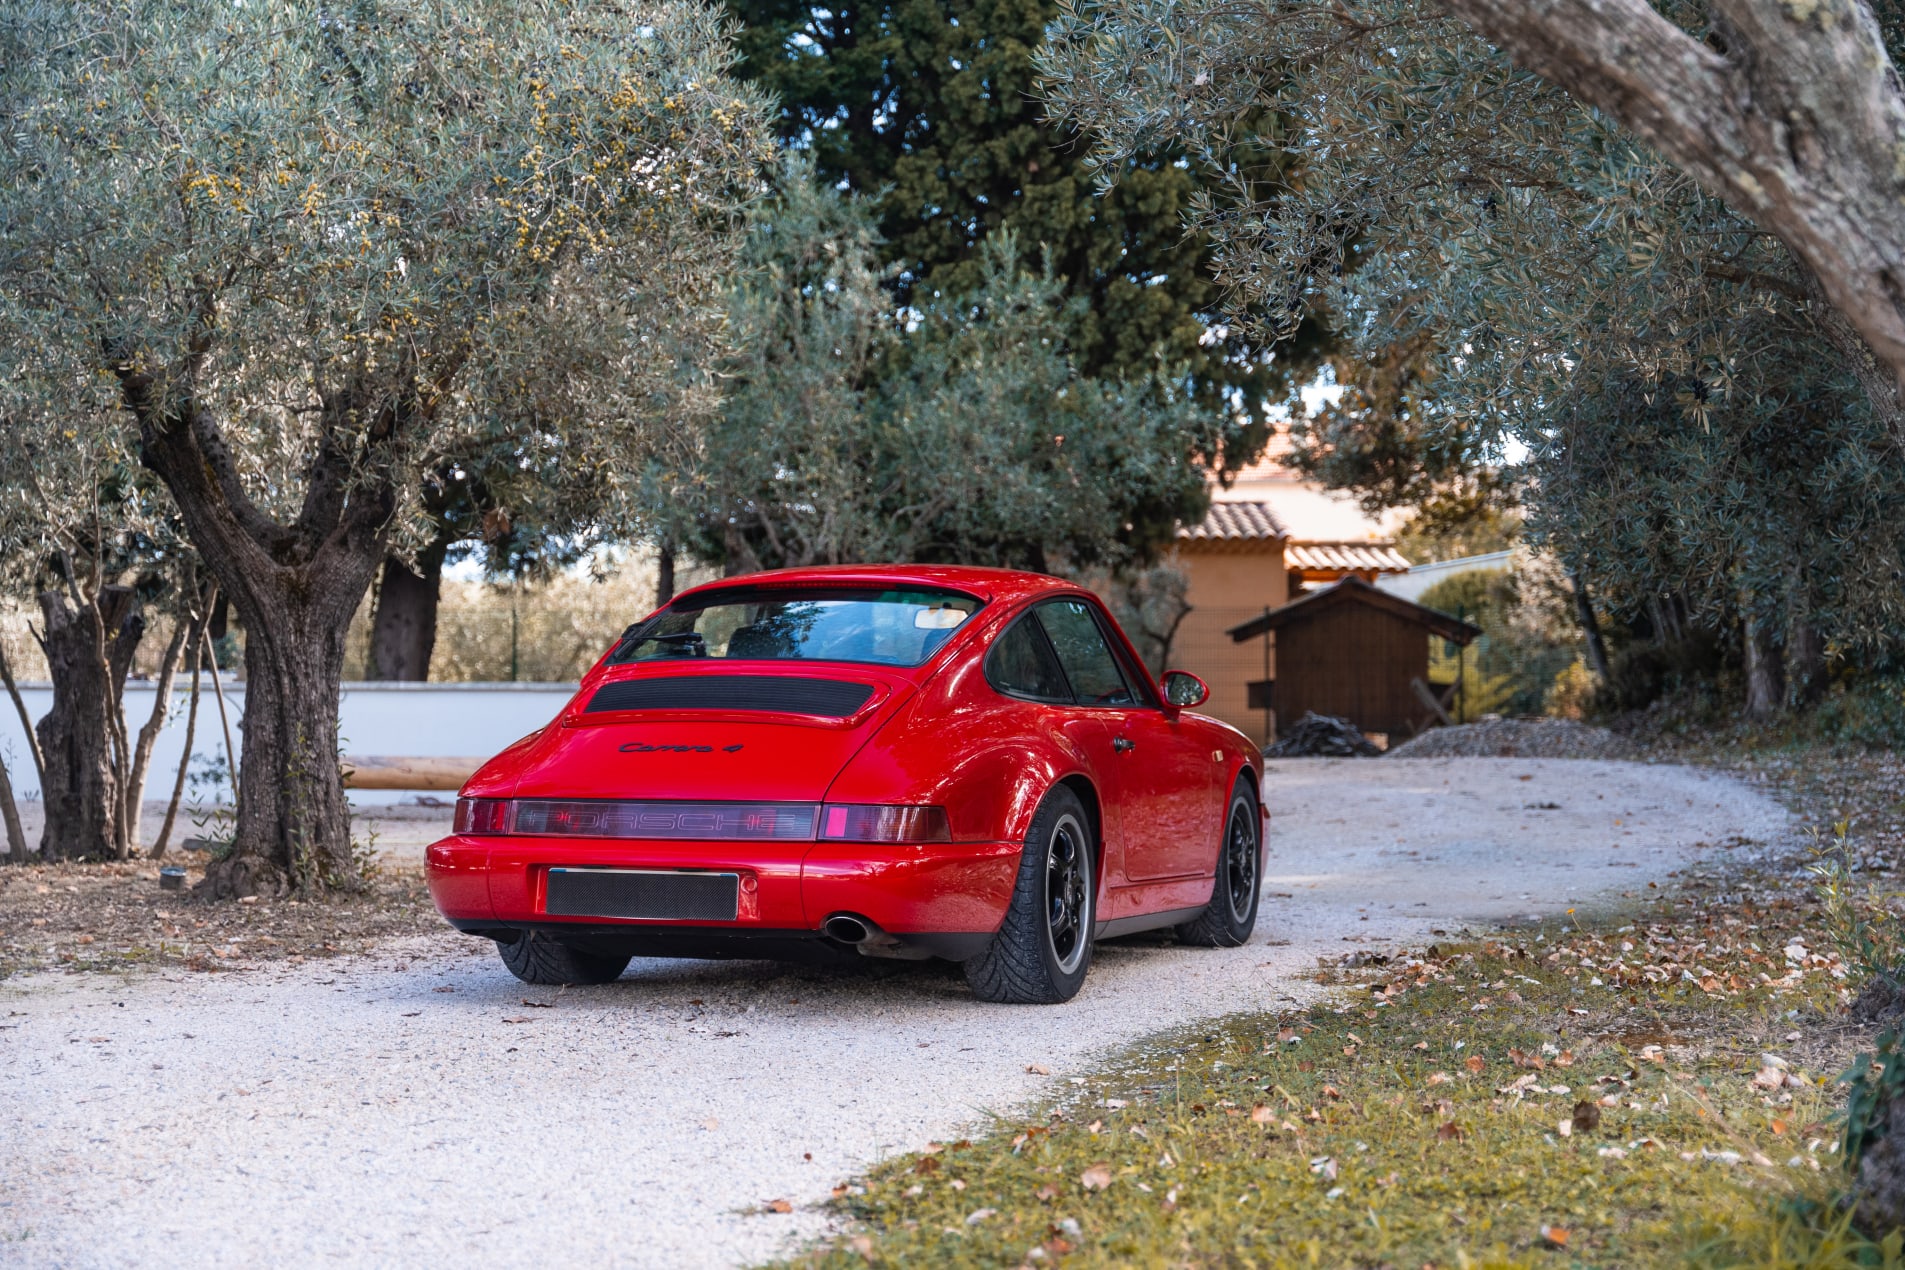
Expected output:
(908, 761)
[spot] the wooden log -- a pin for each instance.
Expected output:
(380, 772)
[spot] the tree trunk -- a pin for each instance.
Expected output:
(186, 627)
(83, 780)
(295, 587)
(26, 720)
(1764, 689)
(10, 810)
(293, 821)
(403, 632)
(195, 661)
(664, 572)
(1590, 627)
(1793, 114)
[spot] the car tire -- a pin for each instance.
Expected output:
(1231, 915)
(536, 958)
(1043, 947)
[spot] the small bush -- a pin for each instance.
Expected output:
(1867, 710)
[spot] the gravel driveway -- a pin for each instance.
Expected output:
(410, 1107)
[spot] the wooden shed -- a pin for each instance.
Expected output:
(1355, 652)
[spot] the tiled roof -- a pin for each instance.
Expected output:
(1236, 522)
(1344, 557)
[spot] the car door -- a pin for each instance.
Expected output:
(1162, 775)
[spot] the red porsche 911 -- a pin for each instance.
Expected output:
(908, 761)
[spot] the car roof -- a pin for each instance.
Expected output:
(987, 584)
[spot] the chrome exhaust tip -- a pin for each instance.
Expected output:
(847, 928)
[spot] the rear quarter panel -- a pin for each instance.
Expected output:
(959, 745)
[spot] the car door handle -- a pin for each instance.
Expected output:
(1120, 744)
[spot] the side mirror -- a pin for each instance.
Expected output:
(1183, 690)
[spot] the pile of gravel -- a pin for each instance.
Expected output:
(1515, 738)
(1322, 736)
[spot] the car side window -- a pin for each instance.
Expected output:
(1021, 664)
(1083, 652)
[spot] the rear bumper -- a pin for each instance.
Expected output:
(945, 899)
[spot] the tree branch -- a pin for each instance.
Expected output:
(1795, 121)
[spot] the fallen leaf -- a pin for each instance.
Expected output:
(1039, 1069)
(443, 988)
(978, 1215)
(1779, 1126)
(1046, 1192)
(1587, 1116)
(1096, 1178)
(521, 1018)
(778, 1206)
(1565, 1128)
(1439, 1078)
(540, 1005)
(928, 1164)
(1449, 1131)
(710, 1124)
(1557, 1236)
(1475, 1062)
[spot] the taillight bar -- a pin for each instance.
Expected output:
(842, 822)
(592, 818)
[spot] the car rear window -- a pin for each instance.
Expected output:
(899, 627)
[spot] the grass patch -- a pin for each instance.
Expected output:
(1653, 1089)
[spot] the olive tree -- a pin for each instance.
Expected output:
(305, 249)
(961, 427)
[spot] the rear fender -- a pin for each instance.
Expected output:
(960, 746)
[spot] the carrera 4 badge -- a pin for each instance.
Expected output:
(642, 747)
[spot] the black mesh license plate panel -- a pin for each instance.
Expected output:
(650, 895)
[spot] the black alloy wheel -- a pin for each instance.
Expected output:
(1236, 882)
(1067, 903)
(1043, 947)
(1240, 860)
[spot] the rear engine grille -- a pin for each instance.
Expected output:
(654, 895)
(782, 695)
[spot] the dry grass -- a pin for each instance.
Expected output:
(94, 917)
(1584, 1095)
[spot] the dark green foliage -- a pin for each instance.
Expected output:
(1867, 709)
(1522, 283)
(930, 107)
(1526, 638)
(960, 429)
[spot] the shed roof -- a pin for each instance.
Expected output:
(1236, 522)
(1353, 590)
(1377, 557)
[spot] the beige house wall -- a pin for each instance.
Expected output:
(1229, 583)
